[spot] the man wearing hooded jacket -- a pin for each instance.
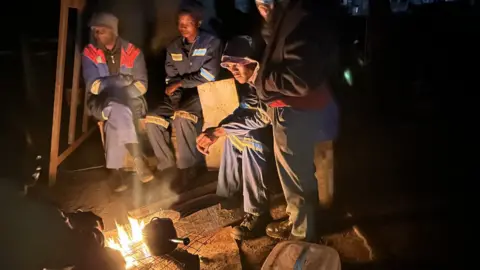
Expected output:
(294, 79)
(245, 165)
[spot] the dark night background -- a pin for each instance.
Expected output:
(397, 139)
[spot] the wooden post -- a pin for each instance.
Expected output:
(76, 76)
(57, 105)
(324, 172)
(85, 113)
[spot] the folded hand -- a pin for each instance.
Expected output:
(206, 139)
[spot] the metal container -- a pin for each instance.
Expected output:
(161, 237)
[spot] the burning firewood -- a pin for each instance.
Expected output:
(141, 245)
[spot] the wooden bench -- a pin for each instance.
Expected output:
(324, 172)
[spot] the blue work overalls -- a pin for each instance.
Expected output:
(113, 100)
(246, 158)
(192, 64)
(295, 132)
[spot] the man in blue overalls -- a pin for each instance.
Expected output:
(246, 154)
(192, 59)
(116, 80)
(294, 80)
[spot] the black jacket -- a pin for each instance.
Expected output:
(199, 65)
(301, 54)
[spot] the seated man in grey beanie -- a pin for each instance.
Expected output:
(116, 80)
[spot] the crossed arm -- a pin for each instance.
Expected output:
(135, 84)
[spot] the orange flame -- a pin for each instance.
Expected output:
(130, 243)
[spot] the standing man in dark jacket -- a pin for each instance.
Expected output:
(116, 80)
(192, 59)
(293, 79)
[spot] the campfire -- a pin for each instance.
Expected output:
(147, 245)
(129, 242)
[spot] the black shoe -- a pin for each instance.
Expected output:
(117, 181)
(187, 177)
(252, 226)
(280, 230)
(191, 173)
(168, 174)
(142, 170)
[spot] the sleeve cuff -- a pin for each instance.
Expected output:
(140, 87)
(95, 87)
(253, 78)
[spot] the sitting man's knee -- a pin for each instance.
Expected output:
(153, 121)
(181, 117)
(116, 109)
(119, 107)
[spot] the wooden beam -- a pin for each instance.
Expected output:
(85, 113)
(57, 105)
(76, 77)
(74, 145)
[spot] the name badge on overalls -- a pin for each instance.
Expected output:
(199, 52)
(176, 56)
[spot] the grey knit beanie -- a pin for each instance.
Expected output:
(106, 20)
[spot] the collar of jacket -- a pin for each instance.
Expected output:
(184, 41)
(121, 43)
(198, 40)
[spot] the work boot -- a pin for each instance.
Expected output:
(280, 230)
(142, 170)
(252, 226)
(187, 177)
(116, 181)
(168, 174)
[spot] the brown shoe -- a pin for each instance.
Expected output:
(280, 230)
(142, 170)
(251, 227)
(116, 181)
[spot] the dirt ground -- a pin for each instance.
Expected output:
(385, 214)
(390, 208)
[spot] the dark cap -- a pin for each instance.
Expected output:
(105, 20)
(240, 46)
(240, 50)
